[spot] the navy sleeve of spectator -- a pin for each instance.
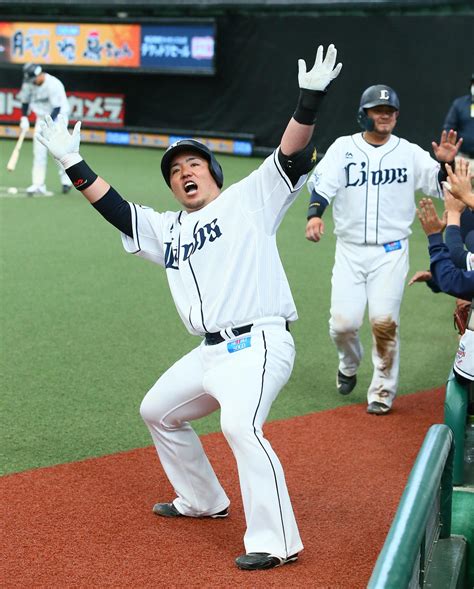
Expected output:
(451, 280)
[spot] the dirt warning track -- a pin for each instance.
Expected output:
(89, 523)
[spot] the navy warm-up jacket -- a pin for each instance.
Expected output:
(451, 280)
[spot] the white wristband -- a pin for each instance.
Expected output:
(70, 159)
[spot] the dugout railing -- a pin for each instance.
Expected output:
(455, 412)
(419, 550)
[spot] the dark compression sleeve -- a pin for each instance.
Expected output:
(299, 163)
(308, 105)
(443, 174)
(116, 211)
(317, 205)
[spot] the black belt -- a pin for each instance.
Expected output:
(212, 339)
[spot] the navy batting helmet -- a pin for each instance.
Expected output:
(375, 96)
(31, 71)
(191, 145)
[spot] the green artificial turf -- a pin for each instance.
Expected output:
(87, 329)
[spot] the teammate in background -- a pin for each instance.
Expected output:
(453, 281)
(460, 118)
(457, 219)
(451, 278)
(372, 177)
(230, 289)
(44, 94)
(458, 225)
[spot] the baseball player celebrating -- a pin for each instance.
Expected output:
(229, 287)
(45, 95)
(372, 177)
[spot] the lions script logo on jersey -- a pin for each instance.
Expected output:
(201, 235)
(357, 175)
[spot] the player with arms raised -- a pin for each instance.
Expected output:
(229, 287)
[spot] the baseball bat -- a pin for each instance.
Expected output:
(16, 152)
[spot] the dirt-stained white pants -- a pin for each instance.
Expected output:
(375, 275)
(243, 383)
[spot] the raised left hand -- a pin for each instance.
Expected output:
(448, 146)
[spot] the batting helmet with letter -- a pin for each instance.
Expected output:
(31, 71)
(191, 145)
(375, 96)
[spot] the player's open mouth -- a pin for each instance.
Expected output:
(190, 187)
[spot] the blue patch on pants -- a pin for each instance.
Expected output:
(239, 344)
(392, 246)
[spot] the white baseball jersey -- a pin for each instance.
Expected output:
(374, 187)
(464, 360)
(222, 261)
(45, 98)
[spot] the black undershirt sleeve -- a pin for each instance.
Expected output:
(116, 211)
(443, 174)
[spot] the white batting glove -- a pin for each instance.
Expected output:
(323, 71)
(61, 144)
(24, 124)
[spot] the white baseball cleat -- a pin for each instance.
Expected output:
(36, 189)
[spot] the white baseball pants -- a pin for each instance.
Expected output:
(243, 384)
(369, 274)
(40, 160)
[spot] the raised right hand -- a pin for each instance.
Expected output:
(314, 229)
(459, 181)
(323, 71)
(59, 142)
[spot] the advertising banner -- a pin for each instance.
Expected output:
(92, 108)
(185, 47)
(95, 45)
(178, 47)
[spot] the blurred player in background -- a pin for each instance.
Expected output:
(372, 177)
(45, 95)
(460, 118)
